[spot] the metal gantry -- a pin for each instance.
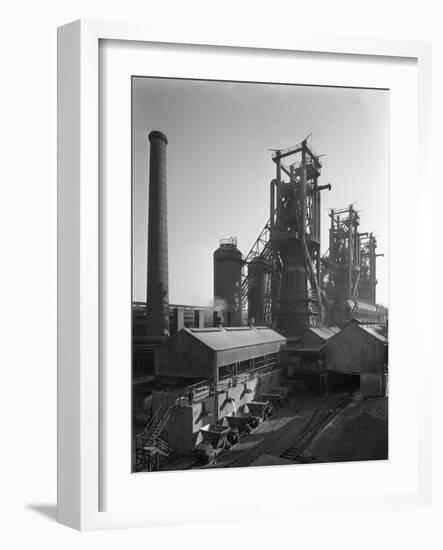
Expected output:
(285, 281)
(342, 261)
(295, 238)
(256, 286)
(349, 265)
(282, 269)
(368, 270)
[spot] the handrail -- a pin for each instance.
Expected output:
(159, 419)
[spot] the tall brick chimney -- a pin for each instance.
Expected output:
(157, 283)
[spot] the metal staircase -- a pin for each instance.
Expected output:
(150, 436)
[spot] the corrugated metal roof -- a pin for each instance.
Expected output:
(373, 332)
(311, 349)
(220, 339)
(324, 333)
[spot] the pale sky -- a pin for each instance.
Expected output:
(219, 167)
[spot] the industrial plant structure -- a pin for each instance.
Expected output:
(282, 314)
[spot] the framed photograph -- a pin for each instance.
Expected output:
(233, 302)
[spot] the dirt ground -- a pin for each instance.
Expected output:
(359, 432)
(274, 436)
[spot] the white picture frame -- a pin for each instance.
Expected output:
(79, 272)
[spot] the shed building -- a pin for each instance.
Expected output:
(357, 357)
(317, 337)
(304, 360)
(219, 352)
(144, 347)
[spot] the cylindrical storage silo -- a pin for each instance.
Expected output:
(258, 285)
(228, 262)
(157, 284)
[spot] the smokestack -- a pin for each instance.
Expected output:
(157, 284)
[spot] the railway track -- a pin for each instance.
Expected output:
(327, 409)
(264, 446)
(323, 414)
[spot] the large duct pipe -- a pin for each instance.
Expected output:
(157, 284)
